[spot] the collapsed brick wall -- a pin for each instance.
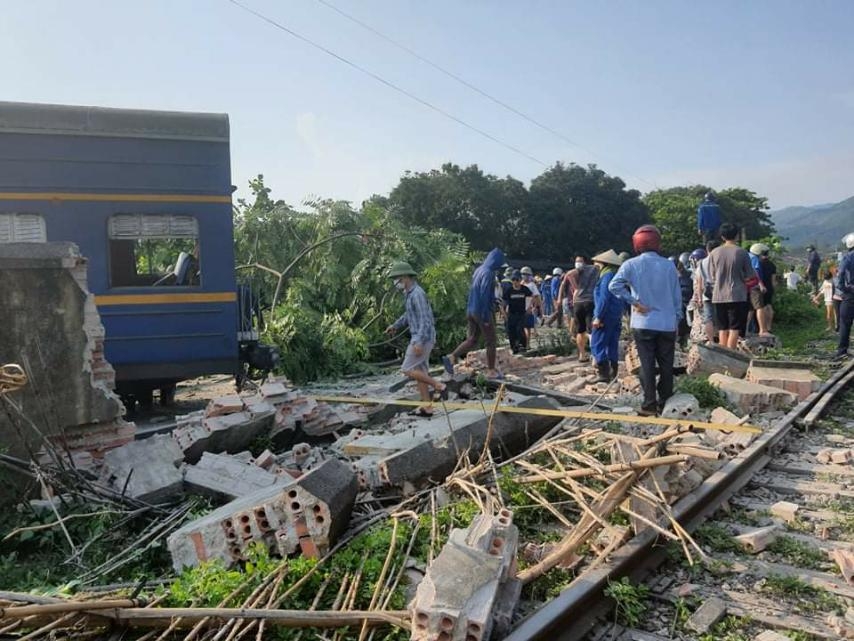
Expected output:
(52, 328)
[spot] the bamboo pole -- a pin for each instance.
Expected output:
(154, 617)
(69, 606)
(605, 469)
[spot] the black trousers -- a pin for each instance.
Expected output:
(846, 317)
(516, 331)
(655, 349)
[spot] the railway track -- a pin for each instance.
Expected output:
(793, 586)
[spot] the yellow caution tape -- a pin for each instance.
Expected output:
(534, 411)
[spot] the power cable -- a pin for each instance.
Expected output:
(469, 85)
(385, 82)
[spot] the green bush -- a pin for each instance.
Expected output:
(797, 321)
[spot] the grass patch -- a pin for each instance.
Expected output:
(803, 596)
(799, 553)
(717, 538)
(630, 601)
(731, 628)
(706, 394)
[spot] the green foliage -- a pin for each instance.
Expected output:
(674, 211)
(796, 320)
(335, 299)
(799, 553)
(805, 597)
(630, 601)
(731, 628)
(552, 219)
(40, 559)
(706, 394)
(716, 537)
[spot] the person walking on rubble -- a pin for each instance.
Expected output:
(650, 285)
(480, 314)
(731, 273)
(515, 298)
(583, 281)
(607, 319)
(418, 317)
(846, 291)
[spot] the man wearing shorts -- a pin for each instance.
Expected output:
(730, 271)
(418, 316)
(583, 280)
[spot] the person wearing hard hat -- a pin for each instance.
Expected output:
(607, 319)
(418, 317)
(649, 283)
(846, 292)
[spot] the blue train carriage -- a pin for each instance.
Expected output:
(146, 195)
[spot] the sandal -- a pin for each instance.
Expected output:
(421, 412)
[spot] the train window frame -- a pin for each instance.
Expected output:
(13, 227)
(126, 234)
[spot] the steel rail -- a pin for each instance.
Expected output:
(570, 615)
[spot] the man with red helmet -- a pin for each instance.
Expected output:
(649, 283)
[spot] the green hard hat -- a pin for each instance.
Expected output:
(400, 268)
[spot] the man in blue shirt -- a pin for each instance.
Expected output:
(418, 316)
(649, 283)
(708, 218)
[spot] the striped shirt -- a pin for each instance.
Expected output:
(418, 316)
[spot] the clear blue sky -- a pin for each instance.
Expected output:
(758, 94)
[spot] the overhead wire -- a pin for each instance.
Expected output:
(471, 86)
(385, 82)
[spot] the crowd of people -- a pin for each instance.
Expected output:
(720, 287)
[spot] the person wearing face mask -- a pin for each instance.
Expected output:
(418, 317)
(583, 281)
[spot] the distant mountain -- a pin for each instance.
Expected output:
(823, 225)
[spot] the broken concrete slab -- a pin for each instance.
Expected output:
(785, 510)
(709, 358)
(470, 583)
(222, 405)
(196, 434)
(710, 612)
(752, 397)
(307, 514)
(431, 451)
(681, 406)
(799, 381)
(225, 478)
(145, 470)
(755, 541)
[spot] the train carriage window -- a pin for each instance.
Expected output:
(22, 228)
(154, 250)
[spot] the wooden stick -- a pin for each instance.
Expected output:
(606, 469)
(69, 606)
(695, 452)
(376, 595)
(37, 634)
(145, 617)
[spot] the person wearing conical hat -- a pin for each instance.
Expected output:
(607, 318)
(418, 317)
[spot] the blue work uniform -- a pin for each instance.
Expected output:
(605, 340)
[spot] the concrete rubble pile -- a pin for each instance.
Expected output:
(301, 515)
(470, 589)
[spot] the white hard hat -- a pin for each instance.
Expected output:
(557, 271)
(849, 241)
(527, 271)
(757, 249)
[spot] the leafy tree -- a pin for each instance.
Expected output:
(674, 211)
(488, 211)
(573, 209)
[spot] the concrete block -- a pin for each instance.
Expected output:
(681, 406)
(265, 460)
(840, 457)
(306, 515)
(710, 359)
(228, 433)
(146, 470)
(431, 451)
(470, 583)
(752, 397)
(801, 382)
(757, 540)
(224, 477)
(785, 510)
(710, 612)
(224, 405)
